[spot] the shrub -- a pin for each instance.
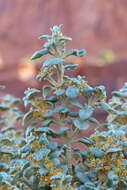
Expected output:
(44, 156)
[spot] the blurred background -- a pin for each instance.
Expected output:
(99, 26)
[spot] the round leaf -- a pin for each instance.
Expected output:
(72, 92)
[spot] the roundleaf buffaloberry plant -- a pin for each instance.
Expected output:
(45, 156)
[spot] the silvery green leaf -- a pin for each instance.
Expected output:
(86, 141)
(4, 107)
(80, 174)
(6, 151)
(43, 139)
(39, 155)
(96, 152)
(93, 120)
(39, 54)
(70, 67)
(81, 53)
(46, 90)
(46, 122)
(87, 92)
(113, 177)
(20, 162)
(61, 109)
(29, 130)
(56, 153)
(72, 52)
(73, 114)
(84, 153)
(45, 37)
(53, 61)
(56, 162)
(52, 99)
(65, 38)
(119, 94)
(59, 92)
(52, 145)
(72, 92)
(82, 125)
(76, 52)
(85, 113)
(112, 150)
(25, 148)
(26, 101)
(30, 138)
(32, 93)
(102, 137)
(106, 107)
(7, 128)
(76, 103)
(27, 117)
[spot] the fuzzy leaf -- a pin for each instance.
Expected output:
(96, 152)
(52, 99)
(39, 155)
(53, 61)
(80, 53)
(27, 117)
(76, 52)
(32, 93)
(86, 141)
(45, 37)
(7, 128)
(93, 120)
(39, 54)
(82, 125)
(70, 67)
(46, 90)
(112, 150)
(106, 107)
(65, 38)
(59, 92)
(73, 114)
(46, 122)
(4, 107)
(85, 113)
(72, 92)
(119, 94)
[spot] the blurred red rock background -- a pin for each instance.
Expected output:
(93, 24)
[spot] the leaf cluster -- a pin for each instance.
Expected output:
(47, 155)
